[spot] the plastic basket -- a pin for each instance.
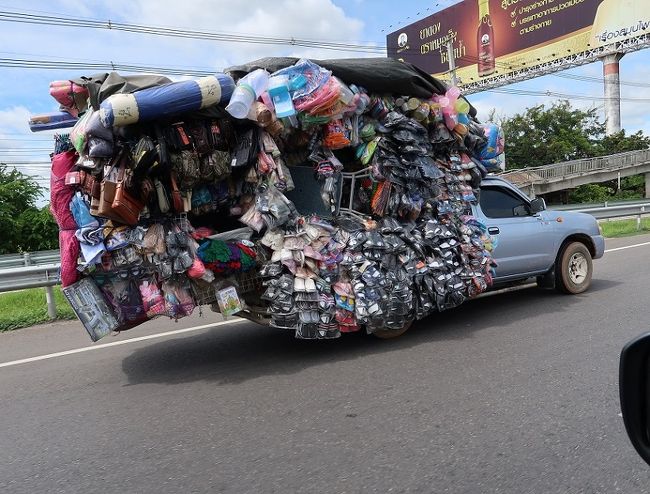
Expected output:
(204, 293)
(249, 282)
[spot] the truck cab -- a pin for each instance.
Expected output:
(555, 247)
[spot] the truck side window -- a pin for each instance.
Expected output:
(500, 203)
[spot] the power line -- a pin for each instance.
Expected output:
(24, 140)
(54, 20)
(91, 66)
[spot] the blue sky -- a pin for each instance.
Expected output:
(25, 91)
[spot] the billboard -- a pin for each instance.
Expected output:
(493, 37)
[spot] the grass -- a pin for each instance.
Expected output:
(27, 307)
(624, 228)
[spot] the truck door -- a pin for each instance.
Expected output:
(525, 243)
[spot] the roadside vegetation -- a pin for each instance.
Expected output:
(624, 228)
(27, 307)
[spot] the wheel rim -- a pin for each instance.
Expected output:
(578, 268)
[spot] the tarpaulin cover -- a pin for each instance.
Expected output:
(101, 86)
(377, 75)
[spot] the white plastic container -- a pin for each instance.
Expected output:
(248, 89)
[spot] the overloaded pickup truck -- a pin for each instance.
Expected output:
(555, 247)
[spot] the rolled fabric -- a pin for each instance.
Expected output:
(49, 121)
(169, 99)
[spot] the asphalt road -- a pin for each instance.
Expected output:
(513, 393)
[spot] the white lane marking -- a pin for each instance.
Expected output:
(116, 343)
(628, 247)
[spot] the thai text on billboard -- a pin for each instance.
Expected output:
(493, 37)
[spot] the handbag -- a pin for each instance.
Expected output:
(245, 153)
(177, 199)
(108, 187)
(163, 199)
(126, 205)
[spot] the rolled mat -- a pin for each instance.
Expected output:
(49, 121)
(169, 99)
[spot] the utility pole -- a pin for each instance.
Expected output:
(452, 63)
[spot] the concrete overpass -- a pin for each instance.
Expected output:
(570, 174)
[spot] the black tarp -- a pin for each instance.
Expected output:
(377, 75)
(101, 86)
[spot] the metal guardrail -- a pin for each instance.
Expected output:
(39, 258)
(605, 204)
(46, 275)
(574, 168)
(612, 212)
(41, 269)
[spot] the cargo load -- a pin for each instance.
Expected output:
(318, 197)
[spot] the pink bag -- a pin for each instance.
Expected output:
(71, 96)
(197, 270)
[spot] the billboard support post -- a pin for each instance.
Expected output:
(612, 92)
(452, 64)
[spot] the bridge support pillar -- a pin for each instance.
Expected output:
(647, 185)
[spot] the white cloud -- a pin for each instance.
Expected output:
(14, 120)
(19, 144)
(310, 19)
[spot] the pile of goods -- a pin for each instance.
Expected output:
(317, 198)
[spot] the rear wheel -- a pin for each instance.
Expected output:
(574, 269)
(389, 334)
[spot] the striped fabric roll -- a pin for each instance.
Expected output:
(170, 99)
(50, 121)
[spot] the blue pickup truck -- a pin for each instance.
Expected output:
(556, 247)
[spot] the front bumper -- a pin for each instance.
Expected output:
(599, 245)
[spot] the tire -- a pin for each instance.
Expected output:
(389, 334)
(573, 269)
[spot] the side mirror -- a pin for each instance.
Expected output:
(537, 205)
(633, 387)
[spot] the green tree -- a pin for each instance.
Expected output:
(541, 135)
(24, 226)
(620, 143)
(544, 135)
(591, 193)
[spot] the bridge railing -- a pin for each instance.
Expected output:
(578, 167)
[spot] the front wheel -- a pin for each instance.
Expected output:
(573, 269)
(389, 334)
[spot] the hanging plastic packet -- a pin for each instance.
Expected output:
(81, 212)
(369, 151)
(126, 300)
(152, 298)
(154, 239)
(178, 300)
(229, 302)
(334, 137)
(303, 77)
(78, 135)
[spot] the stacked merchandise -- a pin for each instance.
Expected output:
(175, 195)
